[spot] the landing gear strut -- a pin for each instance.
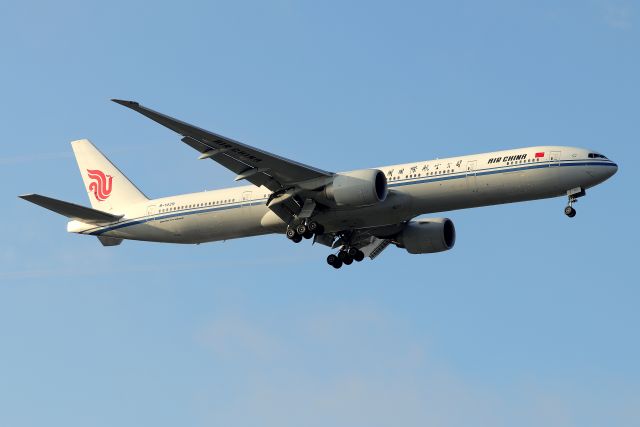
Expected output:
(573, 195)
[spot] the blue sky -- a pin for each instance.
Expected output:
(532, 319)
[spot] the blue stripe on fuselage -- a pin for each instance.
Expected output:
(492, 171)
(392, 184)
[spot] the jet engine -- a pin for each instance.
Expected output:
(427, 236)
(358, 188)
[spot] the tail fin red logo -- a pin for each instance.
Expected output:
(101, 184)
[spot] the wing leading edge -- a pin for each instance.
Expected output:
(256, 166)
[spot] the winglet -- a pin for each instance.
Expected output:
(126, 103)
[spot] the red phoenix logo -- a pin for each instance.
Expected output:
(101, 184)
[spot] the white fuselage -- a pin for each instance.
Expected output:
(415, 188)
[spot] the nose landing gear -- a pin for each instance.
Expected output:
(573, 195)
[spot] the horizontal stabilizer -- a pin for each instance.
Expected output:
(71, 210)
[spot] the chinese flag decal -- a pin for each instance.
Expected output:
(538, 155)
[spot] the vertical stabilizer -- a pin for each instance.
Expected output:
(107, 187)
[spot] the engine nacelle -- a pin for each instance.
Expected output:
(426, 236)
(358, 188)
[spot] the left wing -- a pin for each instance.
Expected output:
(256, 166)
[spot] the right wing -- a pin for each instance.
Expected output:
(71, 210)
(284, 177)
(256, 166)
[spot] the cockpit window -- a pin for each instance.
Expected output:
(596, 156)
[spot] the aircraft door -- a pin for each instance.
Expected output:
(554, 158)
(246, 205)
(152, 210)
(472, 184)
(246, 199)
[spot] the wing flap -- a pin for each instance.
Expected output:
(71, 210)
(376, 248)
(238, 166)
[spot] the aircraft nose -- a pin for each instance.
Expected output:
(602, 171)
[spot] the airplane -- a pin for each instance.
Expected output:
(359, 212)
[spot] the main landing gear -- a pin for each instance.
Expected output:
(346, 256)
(304, 230)
(308, 228)
(573, 198)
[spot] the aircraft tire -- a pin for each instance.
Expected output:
(291, 233)
(570, 211)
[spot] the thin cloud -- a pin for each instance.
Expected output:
(56, 155)
(378, 385)
(30, 158)
(115, 267)
(618, 16)
(231, 336)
